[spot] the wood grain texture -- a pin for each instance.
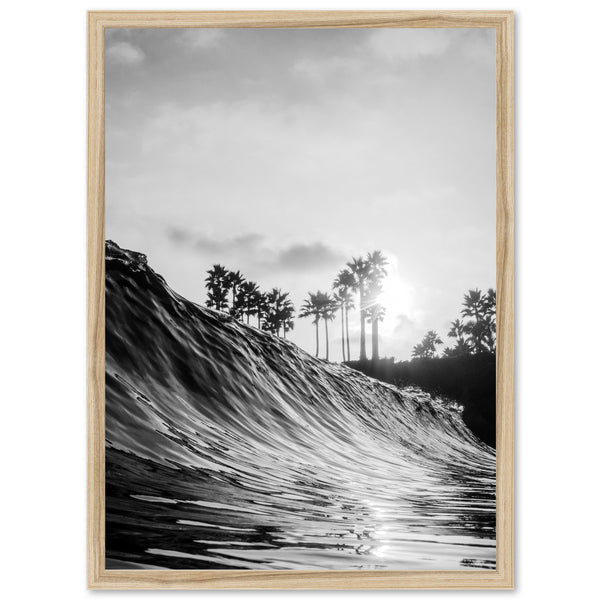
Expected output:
(502, 577)
(95, 300)
(505, 299)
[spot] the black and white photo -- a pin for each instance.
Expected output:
(300, 298)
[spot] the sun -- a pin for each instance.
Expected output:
(395, 297)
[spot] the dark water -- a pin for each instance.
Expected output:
(229, 448)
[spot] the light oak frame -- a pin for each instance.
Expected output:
(502, 576)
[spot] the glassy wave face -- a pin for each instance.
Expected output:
(229, 448)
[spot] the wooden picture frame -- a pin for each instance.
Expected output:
(98, 576)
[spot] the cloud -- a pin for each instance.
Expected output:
(243, 243)
(252, 246)
(178, 235)
(307, 256)
(404, 325)
(325, 68)
(410, 43)
(479, 47)
(474, 45)
(202, 38)
(204, 243)
(124, 53)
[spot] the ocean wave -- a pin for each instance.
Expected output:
(228, 447)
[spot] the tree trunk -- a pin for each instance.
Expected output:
(363, 349)
(326, 341)
(317, 331)
(375, 338)
(347, 337)
(343, 337)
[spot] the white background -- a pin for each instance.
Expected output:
(42, 302)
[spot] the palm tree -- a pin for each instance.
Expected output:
(339, 302)
(377, 263)
(327, 307)
(474, 307)
(344, 283)
(418, 351)
(476, 334)
(217, 286)
(461, 348)
(310, 308)
(426, 349)
(348, 306)
(360, 269)
(245, 299)
(261, 301)
(481, 309)
(287, 316)
(489, 306)
(254, 300)
(280, 312)
(457, 329)
(375, 314)
(234, 280)
(269, 321)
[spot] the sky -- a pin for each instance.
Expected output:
(283, 153)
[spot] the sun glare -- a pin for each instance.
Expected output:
(396, 297)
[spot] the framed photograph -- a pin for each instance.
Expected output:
(300, 300)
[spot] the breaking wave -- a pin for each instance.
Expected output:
(227, 447)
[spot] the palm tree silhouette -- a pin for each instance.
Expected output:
(377, 263)
(280, 312)
(457, 329)
(339, 302)
(348, 306)
(245, 299)
(218, 287)
(286, 316)
(477, 334)
(375, 314)
(254, 301)
(426, 349)
(261, 301)
(274, 310)
(489, 305)
(461, 348)
(234, 280)
(327, 306)
(310, 308)
(481, 308)
(344, 284)
(360, 270)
